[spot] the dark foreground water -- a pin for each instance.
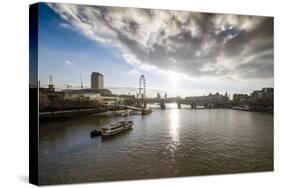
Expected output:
(166, 143)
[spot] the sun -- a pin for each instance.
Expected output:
(174, 79)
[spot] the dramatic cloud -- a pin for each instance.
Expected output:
(194, 44)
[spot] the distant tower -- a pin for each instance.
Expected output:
(96, 80)
(158, 96)
(226, 96)
(165, 95)
(51, 85)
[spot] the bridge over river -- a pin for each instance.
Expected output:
(194, 102)
(209, 101)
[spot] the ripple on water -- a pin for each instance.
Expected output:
(165, 143)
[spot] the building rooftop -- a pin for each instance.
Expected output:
(97, 73)
(83, 91)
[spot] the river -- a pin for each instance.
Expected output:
(166, 143)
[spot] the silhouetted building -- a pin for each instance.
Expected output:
(257, 94)
(264, 94)
(268, 93)
(96, 81)
(127, 99)
(212, 98)
(158, 96)
(256, 99)
(240, 97)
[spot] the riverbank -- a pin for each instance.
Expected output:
(69, 113)
(56, 115)
(254, 108)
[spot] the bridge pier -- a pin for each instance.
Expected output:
(179, 105)
(162, 104)
(206, 105)
(193, 106)
(209, 106)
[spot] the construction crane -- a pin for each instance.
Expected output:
(68, 86)
(81, 81)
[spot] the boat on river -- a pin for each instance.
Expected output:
(146, 111)
(116, 128)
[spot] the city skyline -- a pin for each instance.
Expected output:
(188, 53)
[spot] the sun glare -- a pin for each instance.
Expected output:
(175, 79)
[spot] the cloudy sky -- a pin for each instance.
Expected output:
(182, 53)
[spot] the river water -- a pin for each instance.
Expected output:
(165, 143)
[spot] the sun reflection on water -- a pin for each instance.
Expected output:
(174, 125)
